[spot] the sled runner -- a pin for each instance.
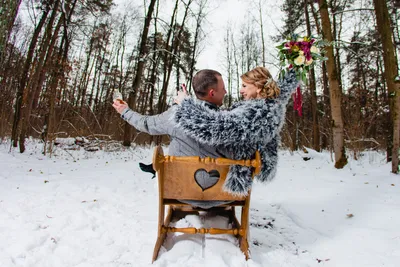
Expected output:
(178, 179)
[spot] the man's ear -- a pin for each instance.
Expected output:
(211, 93)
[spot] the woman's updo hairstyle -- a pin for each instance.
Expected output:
(262, 79)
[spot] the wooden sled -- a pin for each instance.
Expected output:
(176, 182)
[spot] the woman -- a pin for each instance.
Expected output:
(250, 125)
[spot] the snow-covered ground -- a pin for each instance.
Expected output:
(98, 209)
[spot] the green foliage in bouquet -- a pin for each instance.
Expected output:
(300, 53)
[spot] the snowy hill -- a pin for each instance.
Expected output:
(81, 208)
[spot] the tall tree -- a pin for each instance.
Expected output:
(25, 73)
(171, 55)
(392, 79)
(294, 19)
(334, 90)
(293, 10)
(229, 67)
(139, 69)
(197, 37)
(312, 85)
(260, 13)
(37, 74)
(8, 13)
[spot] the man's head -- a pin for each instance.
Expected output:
(209, 86)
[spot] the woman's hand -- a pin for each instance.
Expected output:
(181, 95)
(120, 105)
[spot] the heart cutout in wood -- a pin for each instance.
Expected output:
(206, 179)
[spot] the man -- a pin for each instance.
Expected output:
(207, 86)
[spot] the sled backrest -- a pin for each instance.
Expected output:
(184, 177)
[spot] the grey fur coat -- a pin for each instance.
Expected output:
(248, 126)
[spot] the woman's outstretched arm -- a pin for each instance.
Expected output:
(287, 86)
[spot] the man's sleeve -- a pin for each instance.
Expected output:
(155, 125)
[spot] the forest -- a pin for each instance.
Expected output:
(60, 61)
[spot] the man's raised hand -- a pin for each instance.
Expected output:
(120, 105)
(182, 94)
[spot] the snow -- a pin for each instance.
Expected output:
(80, 208)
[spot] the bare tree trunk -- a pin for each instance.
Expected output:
(85, 75)
(237, 64)
(8, 13)
(143, 109)
(98, 86)
(336, 36)
(327, 111)
(25, 74)
(371, 130)
(335, 92)
(326, 101)
(169, 57)
(46, 46)
(261, 32)
(48, 126)
(313, 91)
(295, 132)
(229, 65)
(122, 46)
(59, 63)
(156, 60)
(178, 70)
(391, 77)
(42, 68)
(9, 73)
(97, 73)
(316, 20)
(199, 20)
(139, 70)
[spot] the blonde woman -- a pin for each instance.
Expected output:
(250, 125)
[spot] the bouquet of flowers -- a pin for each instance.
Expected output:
(300, 53)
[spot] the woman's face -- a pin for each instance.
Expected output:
(249, 91)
